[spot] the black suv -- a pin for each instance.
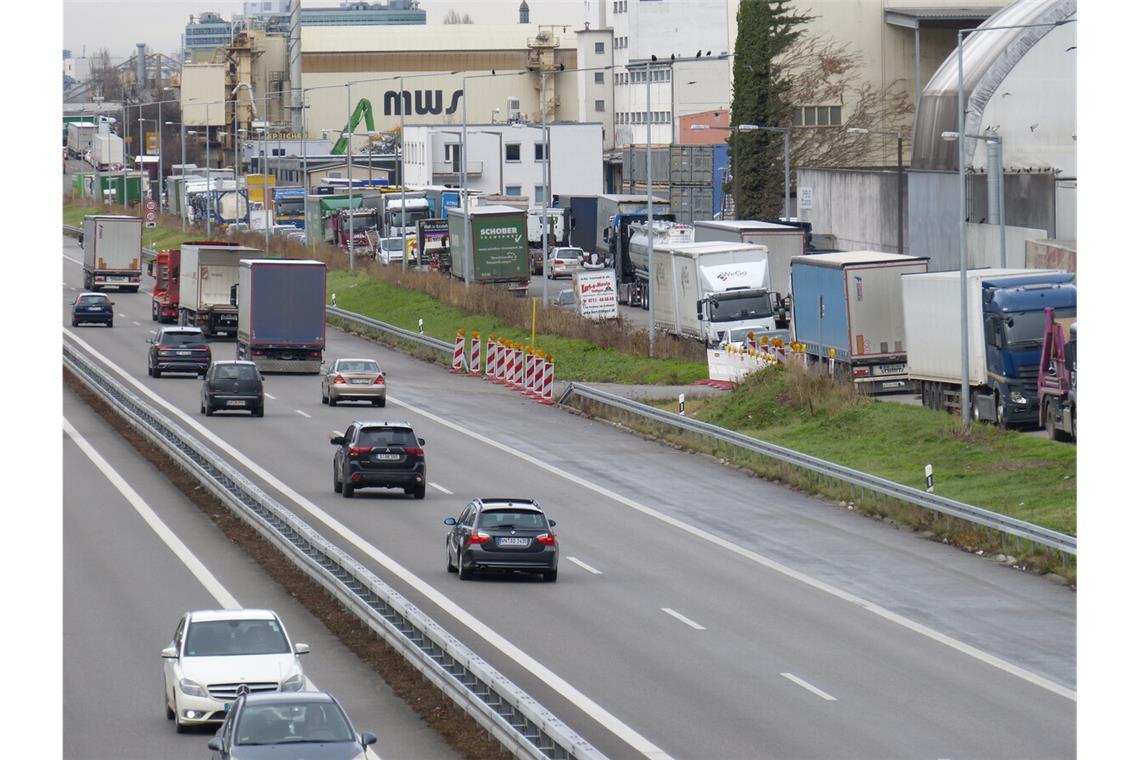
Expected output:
(385, 454)
(178, 349)
(502, 534)
(233, 385)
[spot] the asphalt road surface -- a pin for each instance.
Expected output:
(699, 612)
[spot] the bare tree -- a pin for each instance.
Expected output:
(453, 17)
(108, 82)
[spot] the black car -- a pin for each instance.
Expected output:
(93, 307)
(502, 534)
(379, 454)
(264, 725)
(233, 385)
(178, 349)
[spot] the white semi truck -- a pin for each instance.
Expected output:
(208, 274)
(112, 252)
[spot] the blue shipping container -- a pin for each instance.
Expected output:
(809, 284)
(287, 305)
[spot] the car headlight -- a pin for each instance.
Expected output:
(295, 682)
(192, 688)
(1017, 397)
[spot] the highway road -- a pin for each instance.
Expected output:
(699, 612)
(132, 545)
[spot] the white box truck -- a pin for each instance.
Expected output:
(79, 137)
(112, 252)
(106, 151)
(207, 276)
(783, 242)
(708, 290)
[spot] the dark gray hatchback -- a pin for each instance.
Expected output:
(502, 534)
(233, 386)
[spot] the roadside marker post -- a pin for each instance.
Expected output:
(457, 354)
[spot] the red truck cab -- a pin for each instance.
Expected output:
(164, 296)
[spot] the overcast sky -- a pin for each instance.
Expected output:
(119, 25)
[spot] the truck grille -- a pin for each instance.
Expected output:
(1028, 376)
(228, 691)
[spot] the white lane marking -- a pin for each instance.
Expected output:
(193, 564)
(801, 682)
(549, 677)
(959, 646)
(73, 261)
(200, 572)
(153, 332)
(298, 411)
(691, 623)
(584, 566)
(271, 397)
(136, 324)
(438, 487)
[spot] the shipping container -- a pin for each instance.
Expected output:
(112, 252)
(498, 246)
(281, 314)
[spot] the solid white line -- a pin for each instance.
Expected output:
(959, 646)
(801, 682)
(298, 411)
(544, 674)
(200, 572)
(136, 324)
(73, 261)
(683, 619)
(584, 566)
(193, 564)
(438, 487)
(271, 397)
(153, 332)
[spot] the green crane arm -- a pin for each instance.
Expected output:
(363, 108)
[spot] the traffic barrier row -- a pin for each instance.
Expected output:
(523, 368)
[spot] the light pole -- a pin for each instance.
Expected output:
(348, 163)
(964, 399)
(182, 142)
(544, 221)
(649, 208)
(996, 195)
(899, 139)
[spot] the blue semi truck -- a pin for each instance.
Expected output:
(1005, 325)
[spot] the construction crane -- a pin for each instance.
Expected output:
(363, 109)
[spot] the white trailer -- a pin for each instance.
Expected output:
(707, 290)
(106, 151)
(783, 242)
(79, 137)
(557, 231)
(665, 234)
(208, 273)
(112, 252)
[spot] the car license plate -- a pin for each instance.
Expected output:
(235, 403)
(359, 381)
(116, 278)
(94, 308)
(514, 541)
(895, 384)
(386, 457)
(181, 353)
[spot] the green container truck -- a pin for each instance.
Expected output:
(498, 246)
(115, 187)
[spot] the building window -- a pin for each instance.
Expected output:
(450, 151)
(599, 77)
(817, 116)
(512, 152)
(539, 194)
(599, 47)
(514, 189)
(539, 151)
(599, 106)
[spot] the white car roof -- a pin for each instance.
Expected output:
(198, 616)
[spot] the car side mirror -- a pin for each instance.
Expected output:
(700, 310)
(170, 653)
(383, 373)
(552, 523)
(150, 340)
(421, 440)
(450, 521)
(301, 648)
(110, 303)
(260, 376)
(218, 744)
(336, 439)
(367, 738)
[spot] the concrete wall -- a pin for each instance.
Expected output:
(858, 206)
(983, 245)
(1051, 254)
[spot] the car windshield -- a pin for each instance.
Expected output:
(358, 366)
(1026, 329)
(386, 437)
(290, 206)
(222, 638)
(182, 338)
(391, 244)
(236, 372)
(725, 308)
(92, 300)
(574, 254)
(502, 519)
(292, 723)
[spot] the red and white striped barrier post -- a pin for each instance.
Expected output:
(534, 376)
(547, 395)
(528, 370)
(781, 357)
(508, 370)
(520, 369)
(457, 355)
(504, 357)
(492, 357)
(474, 366)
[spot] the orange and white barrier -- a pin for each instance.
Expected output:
(531, 368)
(504, 358)
(546, 393)
(492, 357)
(457, 356)
(508, 365)
(474, 365)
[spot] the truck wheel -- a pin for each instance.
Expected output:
(1000, 413)
(1050, 423)
(154, 311)
(975, 409)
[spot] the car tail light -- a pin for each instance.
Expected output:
(861, 372)
(258, 352)
(315, 354)
(479, 537)
(339, 379)
(379, 380)
(413, 451)
(547, 539)
(359, 451)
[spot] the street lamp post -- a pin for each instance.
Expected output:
(996, 195)
(209, 178)
(182, 141)
(649, 208)
(899, 138)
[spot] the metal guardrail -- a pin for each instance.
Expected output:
(887, 488)
(523, 726)
(422, 340)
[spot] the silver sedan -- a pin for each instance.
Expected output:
(353, 380)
